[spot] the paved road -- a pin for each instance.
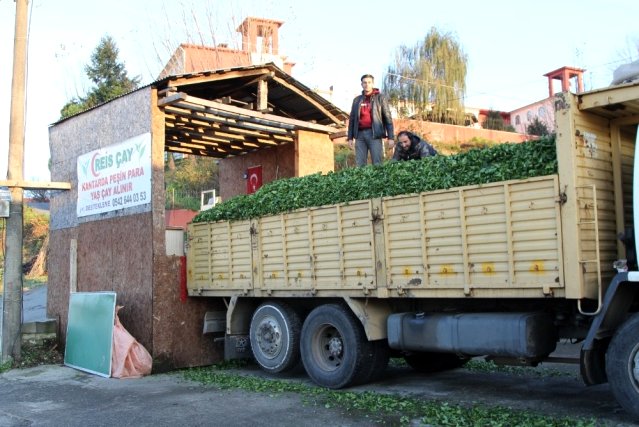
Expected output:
(62, 396)
(59, 395)
(34, 304)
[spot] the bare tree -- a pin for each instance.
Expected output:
(194, 24)
(39, 195)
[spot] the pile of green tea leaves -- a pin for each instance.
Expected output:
(477, 166)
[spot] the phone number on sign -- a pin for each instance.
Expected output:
(127, 199)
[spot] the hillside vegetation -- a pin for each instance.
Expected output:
(34, 247)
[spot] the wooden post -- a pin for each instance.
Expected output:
(73, 266)
(262, 95)
(12, 296)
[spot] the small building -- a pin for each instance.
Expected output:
(260, 45)
(108, 232)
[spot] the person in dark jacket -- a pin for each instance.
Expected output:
(410, 146)
(370, 122)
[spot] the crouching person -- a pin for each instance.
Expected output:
(410, 147)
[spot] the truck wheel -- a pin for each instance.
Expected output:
(275, 336)
(430, 362)
(334, 348)
(622, 365)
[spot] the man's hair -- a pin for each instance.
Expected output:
(367, 75)
(406, 133)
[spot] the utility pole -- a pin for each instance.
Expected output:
(12, 295)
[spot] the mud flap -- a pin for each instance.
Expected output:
(237, 347)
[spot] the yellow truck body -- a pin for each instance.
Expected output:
(552, 236)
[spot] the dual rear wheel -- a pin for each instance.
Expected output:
(331, 344)
(335, 350)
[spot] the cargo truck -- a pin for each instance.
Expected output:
(505, 270)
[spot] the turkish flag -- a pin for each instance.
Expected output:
(254, 179)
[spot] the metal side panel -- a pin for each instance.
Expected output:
(327, 248)
(219, 257)
(503, 238)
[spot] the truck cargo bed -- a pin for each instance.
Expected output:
(492, 240)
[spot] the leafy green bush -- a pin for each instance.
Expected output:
(477, 166)
(537, 127)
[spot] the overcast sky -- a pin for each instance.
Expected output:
(510, 45)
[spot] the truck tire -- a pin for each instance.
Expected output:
(622, 365)
(431, 362)
(335, 351)
(275, 337)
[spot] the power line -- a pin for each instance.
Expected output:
(420, 80)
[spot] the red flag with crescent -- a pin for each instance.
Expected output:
(254, 179)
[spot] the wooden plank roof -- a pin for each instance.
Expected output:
(226, 112)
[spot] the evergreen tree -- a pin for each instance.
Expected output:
(429, 79)
(108, 75)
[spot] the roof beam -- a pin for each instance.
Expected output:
(317, 105)
(204, 115)
(217, 75)
(610, 96)
(53, 185)
(244, 114)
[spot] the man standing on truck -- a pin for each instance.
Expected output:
(410, 147)
(370, 122)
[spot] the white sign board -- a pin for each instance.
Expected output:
(115, 177)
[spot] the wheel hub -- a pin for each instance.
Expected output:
(269, 338)
(335, 347)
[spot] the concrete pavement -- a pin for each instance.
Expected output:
(61, 396)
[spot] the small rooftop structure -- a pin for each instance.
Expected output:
(564, 74)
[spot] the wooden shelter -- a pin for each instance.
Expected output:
(107, 233)
(244, 110)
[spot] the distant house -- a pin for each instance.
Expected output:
(544, 110)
